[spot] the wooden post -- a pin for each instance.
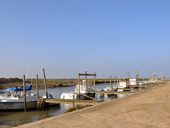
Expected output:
(25, 106)
(115, 82)
(37, 86)
(86, 80)
(45, 84)
(73, 100)
(110, 82)
(94, 87)
(161, 81)
(106, 95)
(79, 84)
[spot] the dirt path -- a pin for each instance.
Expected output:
(149, 109)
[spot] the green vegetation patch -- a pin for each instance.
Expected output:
(75, 108)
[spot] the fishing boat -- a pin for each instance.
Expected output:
(75, 94)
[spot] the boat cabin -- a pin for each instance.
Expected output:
(18, 91)
(83, 87)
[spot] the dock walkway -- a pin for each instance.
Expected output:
(112, 92)
(147, 109)
(69, 101)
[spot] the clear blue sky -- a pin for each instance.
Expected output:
(67, 37)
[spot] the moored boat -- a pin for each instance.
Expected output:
(75, 95)
(13, 98)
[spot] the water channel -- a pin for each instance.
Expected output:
(20, 117)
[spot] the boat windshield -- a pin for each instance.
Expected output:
(7, 94)
(2, 92)
(11, 94)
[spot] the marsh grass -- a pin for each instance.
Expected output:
(75, 108)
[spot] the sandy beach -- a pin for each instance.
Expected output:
(148, 109)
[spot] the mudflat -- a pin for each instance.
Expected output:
(148, 109)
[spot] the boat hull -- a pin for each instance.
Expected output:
(17, 105)
(76, 96)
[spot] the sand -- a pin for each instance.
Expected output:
(148, 109)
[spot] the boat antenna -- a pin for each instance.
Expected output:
(32, 77)
(27, 68)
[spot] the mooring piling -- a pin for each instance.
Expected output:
(37, 87)
(45, 84)
(110, 81)
(25, 106)
(80, 74)
(86, 80)
(94, 86)
(117, 83)
(79, 84)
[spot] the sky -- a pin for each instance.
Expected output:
(67, 37)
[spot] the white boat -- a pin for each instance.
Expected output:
(75, 95)
(108, 88)
(13, 98)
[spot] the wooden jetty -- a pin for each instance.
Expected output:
(145, 86)
(69, 101)
(80, 102)
(110, 92)
(128, 89)
(42, 102)
(84, 102)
